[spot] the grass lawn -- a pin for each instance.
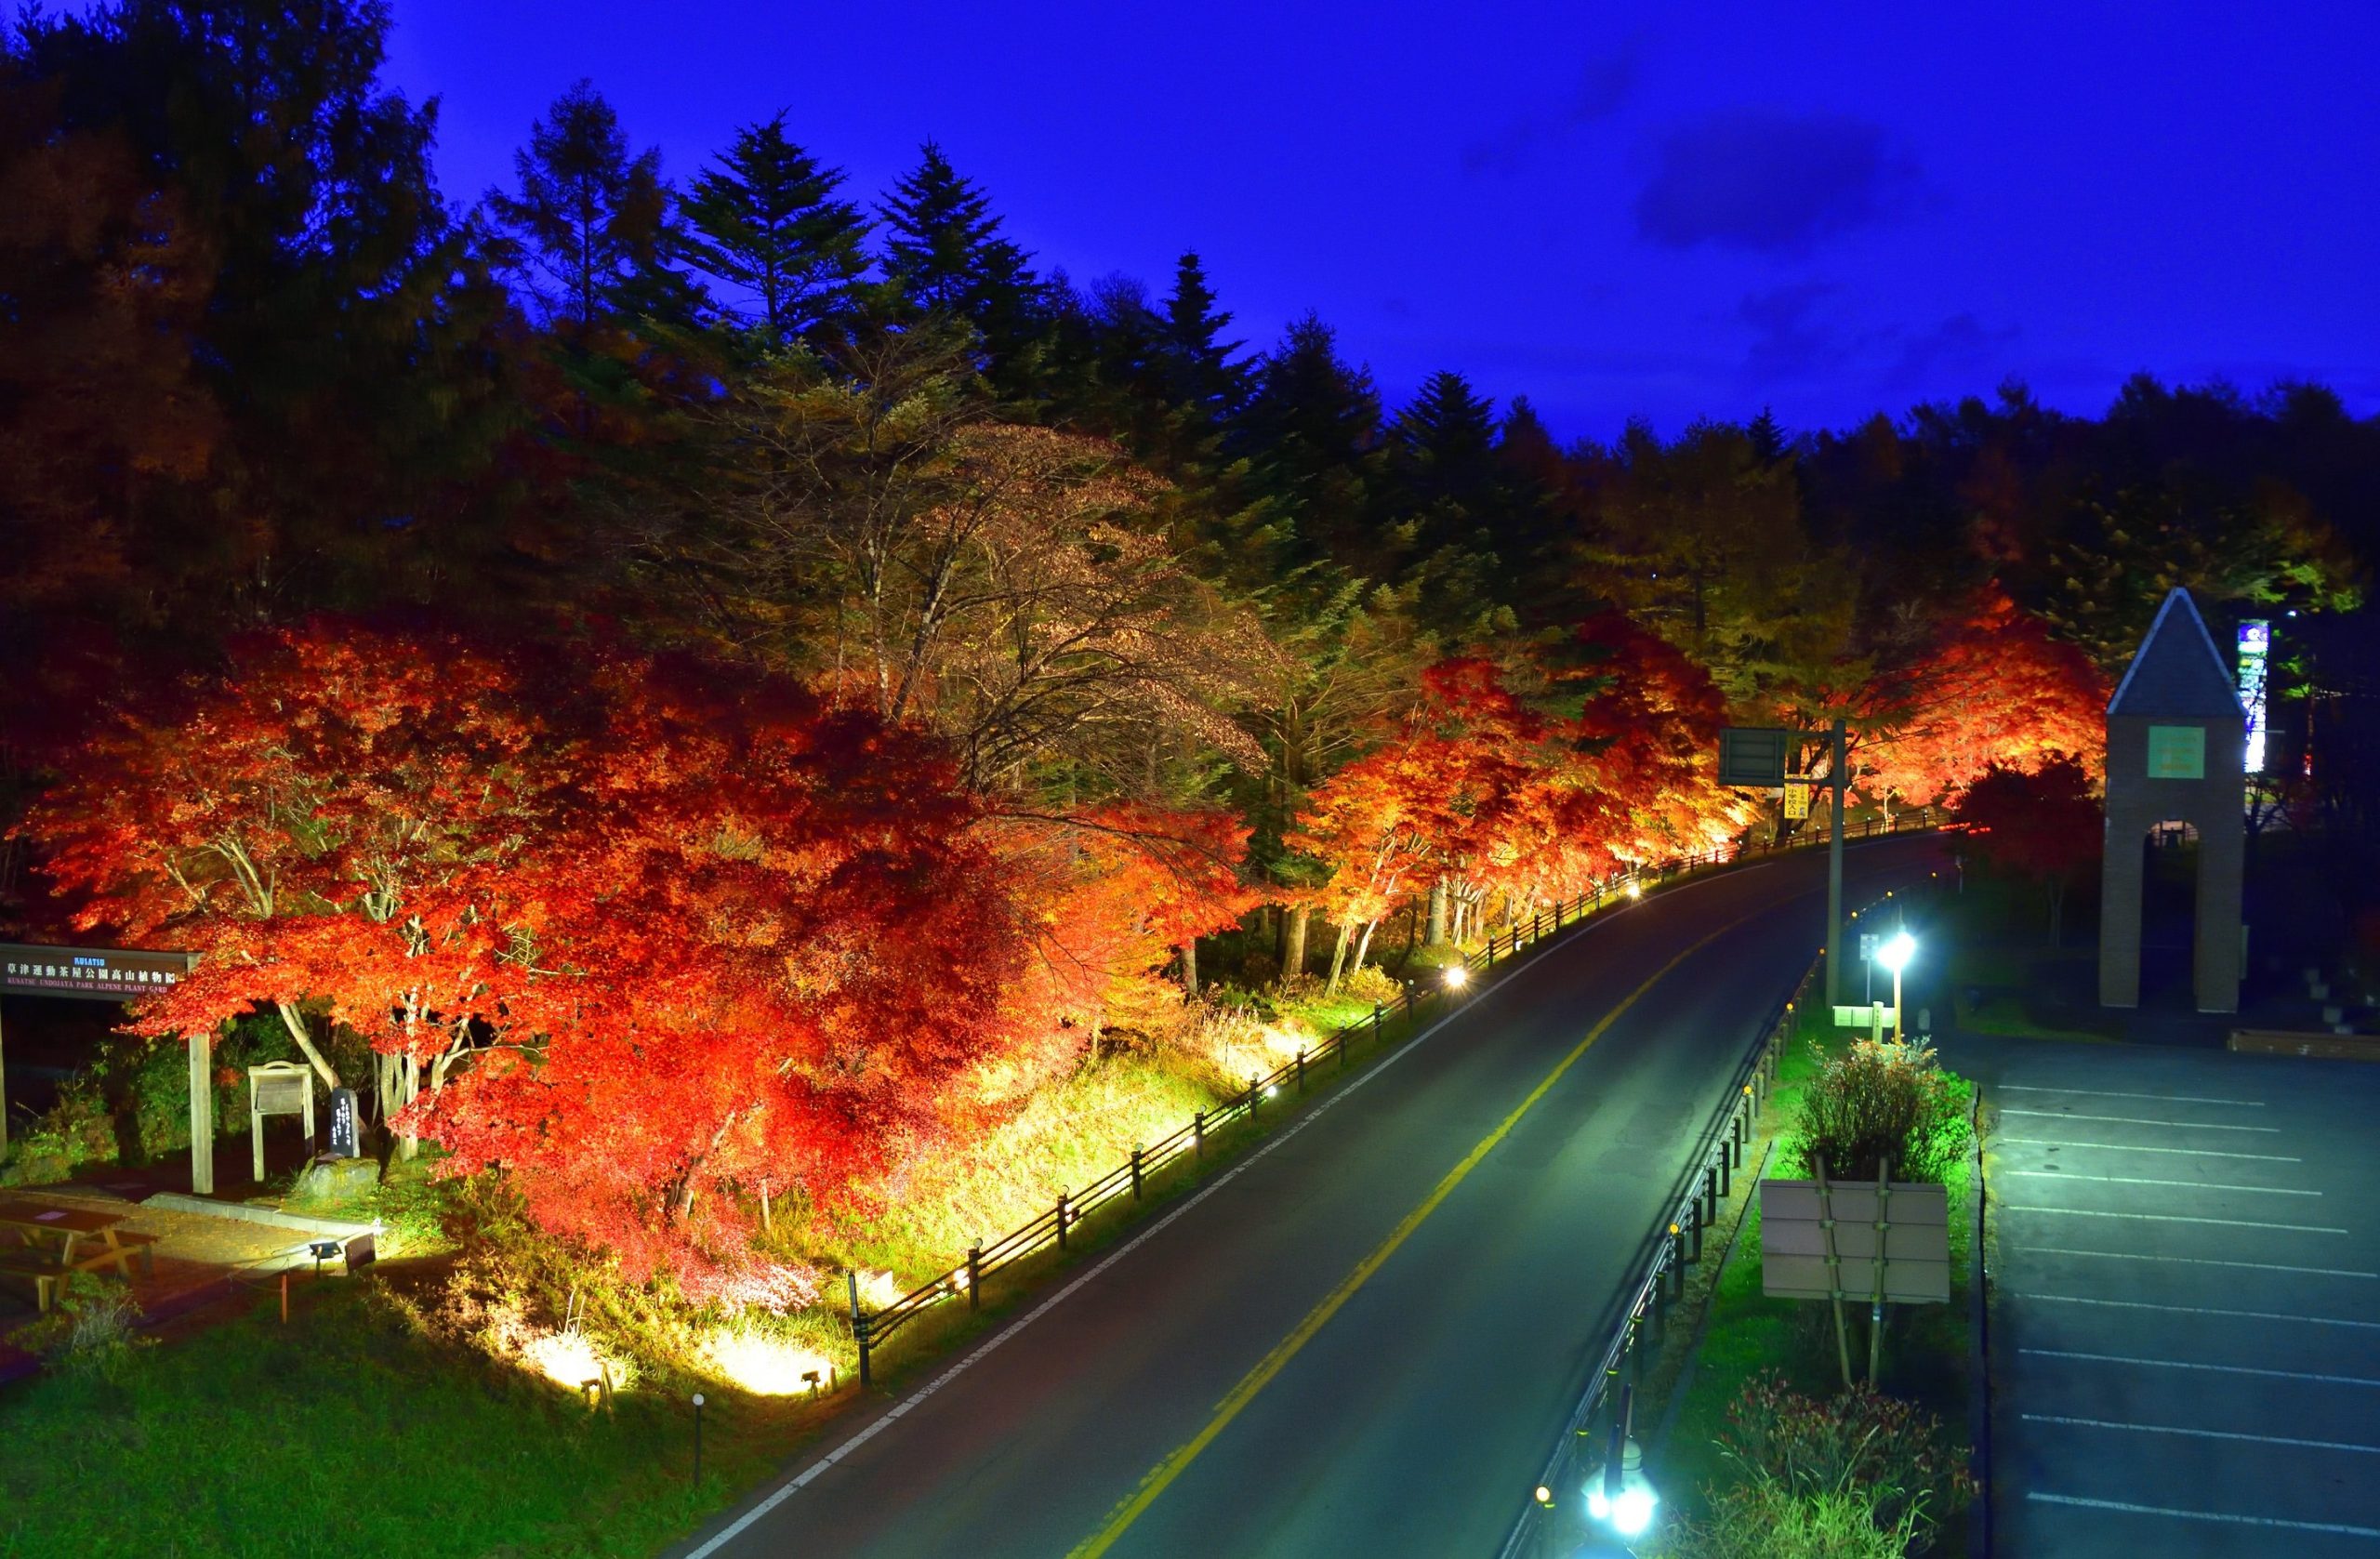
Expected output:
(1926, 1348)
(345, 1432)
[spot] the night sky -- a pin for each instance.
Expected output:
(1668, 210)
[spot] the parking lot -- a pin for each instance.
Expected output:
(2186, 1332)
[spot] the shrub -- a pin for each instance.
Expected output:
(1891, 1453)
(90, 1331)
(1876, 1098)
(1765, 1520)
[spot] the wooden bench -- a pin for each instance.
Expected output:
(48, 1277)
(144, 1244)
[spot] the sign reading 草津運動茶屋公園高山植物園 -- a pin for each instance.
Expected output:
(90, 973)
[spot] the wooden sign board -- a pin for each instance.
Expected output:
(1915, 1241)
(1755, 755)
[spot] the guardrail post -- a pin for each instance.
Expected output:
(1198, 1134)
(974, 1277)
(1062, 1221)
(1301, 1071)
(1728, 1159)
(1742, 1132)
(1706, 1210)
(859, 1324)
(1252, 1093)
(1408, 999)
(1136, 1172)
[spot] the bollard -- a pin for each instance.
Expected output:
(1136, 1172)
(974, 1277)
(1062, 1221)
(1301, 1071)
(1199, 1134)
(698, 1435)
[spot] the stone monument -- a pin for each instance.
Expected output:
(2176, 751)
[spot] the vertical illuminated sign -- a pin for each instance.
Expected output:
(2255, 651)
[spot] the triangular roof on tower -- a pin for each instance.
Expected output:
(2178, 672)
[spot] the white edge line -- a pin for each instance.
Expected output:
(2202, 1368)
(2198, 1310)
(2178, 1218)
(2135, 1147)
(2143, 1120)
(2191, 1260)
(2201, 1434)
(2118, 1093)
(2134, 1180)
(787, 1489)
(2119, 1507)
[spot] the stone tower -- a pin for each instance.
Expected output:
(2176, 749)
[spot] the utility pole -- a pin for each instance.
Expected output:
(1841, 778)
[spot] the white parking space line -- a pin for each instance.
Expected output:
(2112, 1093)
(2202, 1434)
(2203, 1369)
(2071, 1176)
(2121, 1508)
(2141, 1120)
(2199, 1310)
(2176, 1218)
(2194, 1262)
(2130, 1147)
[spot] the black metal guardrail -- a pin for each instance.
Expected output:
(1674, 1244)
(964, 1280)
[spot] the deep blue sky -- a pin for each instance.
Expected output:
(1662, 209)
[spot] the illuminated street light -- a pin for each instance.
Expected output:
(1457, 976)
(1618, 1494)
(1897, 952)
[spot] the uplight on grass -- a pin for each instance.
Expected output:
(1635, 889)
(569, 1360)
(1457, 976)
(765, 1366)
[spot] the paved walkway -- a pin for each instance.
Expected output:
(2186, 1281)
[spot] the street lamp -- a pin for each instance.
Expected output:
(1897, 952)
(1619, 1494)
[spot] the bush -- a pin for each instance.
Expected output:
(90, 1331)
(1890, 1453)
(1875, 1099)
(1765, 1520)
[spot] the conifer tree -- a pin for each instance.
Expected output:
(589, 232)
(943, 249)
(1200, 373)
(765, 220)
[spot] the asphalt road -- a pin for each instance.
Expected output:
(2185, 1333)
(1410, 1419)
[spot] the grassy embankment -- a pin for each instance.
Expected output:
(1926, 1348)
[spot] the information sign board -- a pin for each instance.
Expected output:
(1901, 1243)
(88, 973)
(344, 1135)
(1755, 756)
(1797, 800)
(2177, 752)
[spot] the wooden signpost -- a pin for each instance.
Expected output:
(1895, 1236)
(277, 1087)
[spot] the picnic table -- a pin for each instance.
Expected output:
(48, 1244)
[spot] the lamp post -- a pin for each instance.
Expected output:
(1897, 952)
(1619, 1494)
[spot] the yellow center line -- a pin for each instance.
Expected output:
(1256, 1380)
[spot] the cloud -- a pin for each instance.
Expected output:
(1961, 345)
(1604, 85)
(1790, 341)
(1771, 182)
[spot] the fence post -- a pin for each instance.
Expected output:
(1253, 1096)
(1727, 1158)
(1136, 1172)
(1301, 1070)
(1198, 1134)
(974, 1277)
(1409, 998)
(1062, 1221)
(859, 1324)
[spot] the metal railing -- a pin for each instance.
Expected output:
(1053, 1228)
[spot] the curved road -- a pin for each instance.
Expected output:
(1352, 1343)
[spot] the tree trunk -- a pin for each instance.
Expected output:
(1364, 946)
(1293, 948)
(1438, 911)
(295, 1021)
(1338, 960)
(1190, 967)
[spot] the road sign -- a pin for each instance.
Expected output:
(1902, 1251)
(1797, 801)
(1867, 944)
(1755, 756)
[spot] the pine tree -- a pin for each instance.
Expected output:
(589, 230)
(943, 249)
(1312, 425)
(1200, 373)
(766, 221)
